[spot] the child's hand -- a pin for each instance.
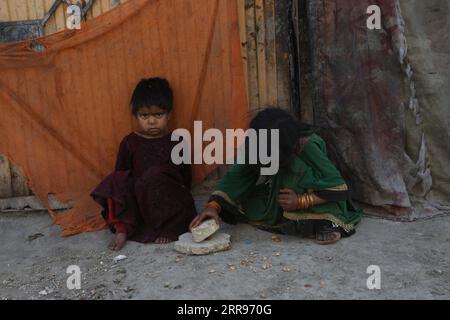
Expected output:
(288, 199)
(207, 213)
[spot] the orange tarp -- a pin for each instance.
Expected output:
(64, 110)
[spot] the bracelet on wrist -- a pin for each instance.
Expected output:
(215, 205)
(305, 201)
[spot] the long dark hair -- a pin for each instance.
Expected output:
(290, 131)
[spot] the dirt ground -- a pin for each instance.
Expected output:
(413, 258)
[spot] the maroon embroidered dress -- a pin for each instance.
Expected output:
(149, 195)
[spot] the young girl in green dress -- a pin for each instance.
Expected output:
(308, 195)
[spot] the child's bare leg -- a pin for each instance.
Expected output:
(118, 241)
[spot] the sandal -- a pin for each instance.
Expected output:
(304, 229)
(328, 234)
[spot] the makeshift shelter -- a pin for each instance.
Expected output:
(66, 108)
(380, 97)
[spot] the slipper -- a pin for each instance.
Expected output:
(327, 234)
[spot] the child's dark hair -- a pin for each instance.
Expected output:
(290, 130)
(152, 92)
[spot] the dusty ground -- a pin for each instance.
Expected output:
(414, 260)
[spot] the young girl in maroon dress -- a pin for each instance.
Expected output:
(147, 198)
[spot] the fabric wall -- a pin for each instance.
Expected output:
(383, 106)
(64, 98)
(427, 34)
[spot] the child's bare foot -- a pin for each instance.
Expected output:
(162, 240)
(118, 242)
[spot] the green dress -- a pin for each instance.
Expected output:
(255, 197)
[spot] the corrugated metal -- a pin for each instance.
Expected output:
(264, 32)
(12, 181)
(16, 10)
